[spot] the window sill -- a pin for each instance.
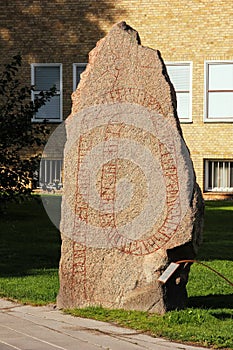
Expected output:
(185, 121)
(214, 121)
(208, 195)
(48, 121)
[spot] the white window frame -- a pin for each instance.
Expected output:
(75, 65)
(226, 182)
(190, 65)
(58, 92)
(206, 87)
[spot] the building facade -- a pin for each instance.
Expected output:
(195, 40)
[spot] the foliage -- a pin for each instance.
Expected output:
(18, 134)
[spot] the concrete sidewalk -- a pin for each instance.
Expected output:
(24, 327)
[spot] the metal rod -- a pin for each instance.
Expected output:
(200, 263)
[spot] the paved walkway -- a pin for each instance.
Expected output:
(23, 327)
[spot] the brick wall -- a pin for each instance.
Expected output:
(52, 32)
(65, 31)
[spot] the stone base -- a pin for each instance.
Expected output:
(121, 287)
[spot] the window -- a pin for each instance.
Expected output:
(181, 77)
(78, 68)
(45, 76)
(219, 91)
(219, 175)
(50, 174)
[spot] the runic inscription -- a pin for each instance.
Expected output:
(129, 187)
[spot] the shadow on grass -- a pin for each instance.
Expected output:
(222, 315)
(211, 302)
(218, 231)
(28, 241)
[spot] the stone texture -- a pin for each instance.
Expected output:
(131, 204)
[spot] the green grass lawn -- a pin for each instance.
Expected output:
(29, 257)
(29, 254)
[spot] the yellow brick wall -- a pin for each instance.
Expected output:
(194, 31)
(65, 31)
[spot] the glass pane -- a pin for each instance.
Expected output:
(221, 175)
(51, 110)
(215, 179)
(221, 76)
(47, 77)
(180, 76)
(79, 71)
(231, 174)
(220, 105)
(183, 105)
(210, 184)
(42, 172)
(47, 170)
(55, 171)
(226, 174)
